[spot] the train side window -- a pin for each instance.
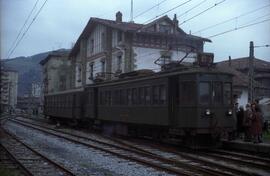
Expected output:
(108, 97)
(134, 96)
(163, 97)
(101, 98)
(227, 93)
(217, 93)
(188, 93)
(91, 98)
(204, 93)
(122, 96)
(87, 98)
(155, 91)
(116, 97)
(128, 96)
(147, 91)
(141, 96)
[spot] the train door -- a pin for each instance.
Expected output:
(73, 105)
(173, 98)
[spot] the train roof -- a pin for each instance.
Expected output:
(154, 75)
(65, 91)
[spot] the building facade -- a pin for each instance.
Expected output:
(9, 89)
(240, 68)
(56, 72)
(107, 48)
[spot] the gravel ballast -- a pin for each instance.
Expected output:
(80, 159)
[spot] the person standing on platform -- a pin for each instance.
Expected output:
(247, 123)
(240, 118)
(256, 125)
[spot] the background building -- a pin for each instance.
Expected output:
(9, 87)
(107, 48)
(56, 72)
(240, 68)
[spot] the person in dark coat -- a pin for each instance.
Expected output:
(247, 123)
(240, 118)
(256, 125)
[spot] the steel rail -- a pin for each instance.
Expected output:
(23, 169)
(185, 155)
(39, 154)
(175, 163)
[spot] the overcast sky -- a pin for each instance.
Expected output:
(60, 23)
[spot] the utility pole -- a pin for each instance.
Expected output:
(251, 73)
(251, 70)
(131, 12)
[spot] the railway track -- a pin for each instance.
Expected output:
(179, 166)
(9, 164)
(240, 158)
(241, 163)
(174, 161)
(30, 160)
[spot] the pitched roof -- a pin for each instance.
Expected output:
(126, 27)
(243, 63)
(56, 53)
(239, 79)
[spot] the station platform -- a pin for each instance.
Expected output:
(263, 148)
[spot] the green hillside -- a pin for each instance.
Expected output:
(29, 71)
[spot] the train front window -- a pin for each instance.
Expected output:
(188, 93)
(227, 93)
(204, 93)
(217, 93)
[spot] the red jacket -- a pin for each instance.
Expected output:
(256, 123)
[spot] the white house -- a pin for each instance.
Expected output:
(107, 48)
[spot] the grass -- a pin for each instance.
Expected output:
(266, 136)
(8, 172)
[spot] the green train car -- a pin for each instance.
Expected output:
(191, 103)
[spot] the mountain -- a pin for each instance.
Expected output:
(29, 70)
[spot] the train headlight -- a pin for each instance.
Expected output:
(208, 112)
(229, 113)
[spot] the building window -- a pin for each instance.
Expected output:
(91, 71)
(92, 45)
(62, 82)
(119, 36)
(119, 62)
(103, 44)
(103, 66)
(79, 73)
(164, 28)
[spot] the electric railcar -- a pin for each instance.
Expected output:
(193, 104)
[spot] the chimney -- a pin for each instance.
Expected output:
(230, 61)
(175, 22)
(118, 17)
(251, 49)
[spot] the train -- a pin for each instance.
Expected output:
(191, 103)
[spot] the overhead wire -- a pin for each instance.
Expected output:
(231, 19)
(237, 28)
(255, 19)
(35, 17)
(149, 9)
(25, 22)
(168, 11)
(197, 5)
(209, 8)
